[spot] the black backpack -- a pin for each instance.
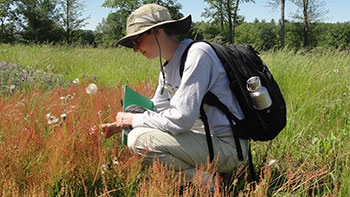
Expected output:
(242, 62)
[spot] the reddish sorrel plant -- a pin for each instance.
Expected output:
(46, 148)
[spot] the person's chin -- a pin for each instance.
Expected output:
(148, 56)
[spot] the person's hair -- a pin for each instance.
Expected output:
(168, 29)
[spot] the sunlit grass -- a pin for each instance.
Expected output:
(109, 65)
(309, 157)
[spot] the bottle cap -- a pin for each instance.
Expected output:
(253, 83)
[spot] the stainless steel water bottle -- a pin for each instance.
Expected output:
(259, 94)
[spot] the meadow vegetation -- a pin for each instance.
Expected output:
(46, 147)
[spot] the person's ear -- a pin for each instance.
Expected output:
(157, 31)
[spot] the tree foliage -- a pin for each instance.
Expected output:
(224, 12)
(113, 28)
(309, 11)
(60, 21)
(38, 19)
(274, 4)
(71, 17)
(7, 28)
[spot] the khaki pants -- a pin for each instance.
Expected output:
(186, 150)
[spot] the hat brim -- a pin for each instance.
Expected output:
(180, 26)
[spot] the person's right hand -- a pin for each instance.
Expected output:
(108, 129)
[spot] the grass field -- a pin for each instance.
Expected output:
(46, 149)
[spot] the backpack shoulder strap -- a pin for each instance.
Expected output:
(183, 58)
(184, 55)
(211, 99)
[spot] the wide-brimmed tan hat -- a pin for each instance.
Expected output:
(149, 16)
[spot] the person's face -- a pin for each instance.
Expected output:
(146, 44)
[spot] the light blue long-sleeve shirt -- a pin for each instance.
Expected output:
(177, 109)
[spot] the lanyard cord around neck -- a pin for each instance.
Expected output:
(160, 60)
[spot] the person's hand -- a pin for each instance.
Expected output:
(108, 129)
(124, 119)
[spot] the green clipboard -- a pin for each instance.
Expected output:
(131, 97)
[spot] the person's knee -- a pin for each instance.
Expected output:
(139, 138)
(133, 138)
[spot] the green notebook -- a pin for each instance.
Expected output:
(131, 97)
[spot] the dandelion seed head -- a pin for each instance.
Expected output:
(91, 89)
(76, 81)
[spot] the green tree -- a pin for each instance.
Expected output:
(38, 20)
(294, 35)
(225, 11)
(215, 11)
(261, 35)
(274, 4)
(207, 31)
(312, 11)
(83, 37)
(335, 35)
(6, 21)
(232, 29)
(71, 17)
(113, 28)
(4, 12)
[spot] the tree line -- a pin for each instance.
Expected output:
(61, 22)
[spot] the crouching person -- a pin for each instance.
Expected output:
(173, 132)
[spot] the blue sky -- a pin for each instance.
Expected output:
(337, 11)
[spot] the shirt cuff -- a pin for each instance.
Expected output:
(137, 121)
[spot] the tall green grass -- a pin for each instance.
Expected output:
(109, 65)
(309, 157)
(317, 92)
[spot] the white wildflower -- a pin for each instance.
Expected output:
(115, 161)
(12, 87)
(51, 119)
(91, 89)
(272, 162)
(76, 81)
(103, 168)
(69, 97)
(48, 116)
(336, 70)
(63, 117)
